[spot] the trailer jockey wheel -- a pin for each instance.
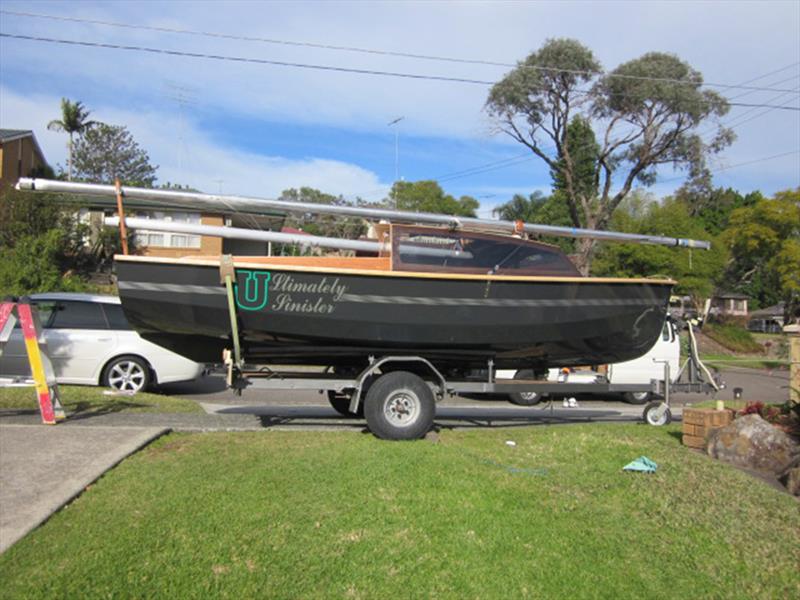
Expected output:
(399, 406)
(657, 414)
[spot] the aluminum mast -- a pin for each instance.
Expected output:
(215, 202)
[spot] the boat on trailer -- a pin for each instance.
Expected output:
(457, 298)
(426, 304)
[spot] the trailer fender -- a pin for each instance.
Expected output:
(362, 382)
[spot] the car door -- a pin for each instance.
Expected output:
(14, 357)
(78, 340)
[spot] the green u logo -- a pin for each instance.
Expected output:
(253, 292)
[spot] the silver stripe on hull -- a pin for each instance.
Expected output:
(494, 302)
(174, 288)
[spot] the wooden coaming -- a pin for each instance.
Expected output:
(371, 266)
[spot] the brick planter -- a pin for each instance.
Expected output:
(699, 422)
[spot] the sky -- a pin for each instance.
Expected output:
(257, 129)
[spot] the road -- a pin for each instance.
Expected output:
(311, 409)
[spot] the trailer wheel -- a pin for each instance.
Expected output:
(399, 406)
(637, 397)
(657, 414)
(525, 398)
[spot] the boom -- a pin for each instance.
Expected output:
(215, 202)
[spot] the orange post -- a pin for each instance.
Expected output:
(123, 231)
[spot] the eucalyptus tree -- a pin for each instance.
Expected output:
(610, 129)
(74, 119)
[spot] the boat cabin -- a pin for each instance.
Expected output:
(418, 249)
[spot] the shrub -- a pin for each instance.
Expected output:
(32, 265)
(733, 337)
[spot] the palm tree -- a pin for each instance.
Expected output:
(73, 120)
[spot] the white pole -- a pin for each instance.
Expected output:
(197, 201)
(396, 147)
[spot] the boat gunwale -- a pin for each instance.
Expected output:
(204, 262)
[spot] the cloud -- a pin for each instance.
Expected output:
(495, 31)
(748, 39)
(186, 155)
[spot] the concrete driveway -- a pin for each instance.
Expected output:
(43, 467)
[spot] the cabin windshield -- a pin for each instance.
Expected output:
(428, 249)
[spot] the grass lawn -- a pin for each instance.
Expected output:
(92, 400)
(753, 362)
(730, 404)
(337, 514)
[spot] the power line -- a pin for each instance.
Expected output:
(264, 40)
(743, 164)
(495, 162)
(244, 59)
(376, 51)
(793, 77)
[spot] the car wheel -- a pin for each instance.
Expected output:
(637, 397)
(129, 374)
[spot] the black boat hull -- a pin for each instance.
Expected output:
(317, 317)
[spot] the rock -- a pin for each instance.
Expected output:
(753, 443)
(793, 481)
(432, 436)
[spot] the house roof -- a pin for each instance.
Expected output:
(770, 311)
(9, 135)
(294, 230)
(732, 295)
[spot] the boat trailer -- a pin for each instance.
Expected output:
(398, 394)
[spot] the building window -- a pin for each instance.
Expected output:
(166, 239)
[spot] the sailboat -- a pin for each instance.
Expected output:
(450, 289)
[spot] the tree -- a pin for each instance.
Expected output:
(40, 244)
(714, 207)
(764, 240)
(73, 120)
(107, 152)
(538, 208)
(645, 113)
(324, 225)
(34, 265)
(428, 196)
(697, 272)
(584, 152)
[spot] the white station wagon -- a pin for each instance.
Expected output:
(90, 342)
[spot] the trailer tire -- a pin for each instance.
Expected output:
(525, 398)
(637, 397)
(651, 416)
(399, 406)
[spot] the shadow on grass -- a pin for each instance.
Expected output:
(446, 417)
(87, 410)
(18, 412)
(676, 435)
